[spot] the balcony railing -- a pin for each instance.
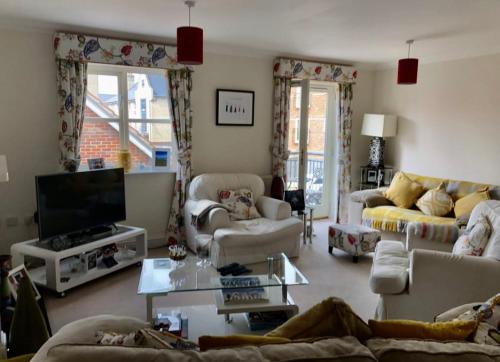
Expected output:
(314, 176)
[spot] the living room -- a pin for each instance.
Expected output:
(446, 126)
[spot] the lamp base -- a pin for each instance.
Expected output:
(376, 152)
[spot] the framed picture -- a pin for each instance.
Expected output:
(96, 163)
(235, 107)
(15, 276)
(372, 176)
(161, 157)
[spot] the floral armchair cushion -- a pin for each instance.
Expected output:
(240, 204)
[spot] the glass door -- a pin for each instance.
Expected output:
(311, 144)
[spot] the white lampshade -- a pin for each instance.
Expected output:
(379, 125)
(4, 173)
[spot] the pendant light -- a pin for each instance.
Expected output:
(189, 42)
(408, 68)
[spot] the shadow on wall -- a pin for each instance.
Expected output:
(405, 138)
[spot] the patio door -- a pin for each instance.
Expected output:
(311, 144)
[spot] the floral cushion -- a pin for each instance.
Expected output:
(240, 204)
(436, 202)
(474, 240)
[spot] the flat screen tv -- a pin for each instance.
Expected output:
(74, 202)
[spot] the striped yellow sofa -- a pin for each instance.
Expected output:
(393, 220)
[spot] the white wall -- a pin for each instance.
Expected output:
(232, 148)
(449, 122)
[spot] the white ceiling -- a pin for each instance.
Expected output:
(360, 31)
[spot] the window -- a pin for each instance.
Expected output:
(126, 108)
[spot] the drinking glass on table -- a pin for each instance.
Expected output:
(203, 243)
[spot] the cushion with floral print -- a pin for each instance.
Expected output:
(240, 204)
(474, 239)
(487, 316)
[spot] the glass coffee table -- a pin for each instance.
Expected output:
(265, 289)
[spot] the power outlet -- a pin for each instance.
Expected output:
(11, 221)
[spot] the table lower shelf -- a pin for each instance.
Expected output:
(274, 303)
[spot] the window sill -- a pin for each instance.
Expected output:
(147, 171)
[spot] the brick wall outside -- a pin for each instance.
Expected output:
(99, 139)
(317, 113)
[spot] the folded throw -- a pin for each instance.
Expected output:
(200, 212)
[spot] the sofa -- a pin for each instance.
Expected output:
(418, 284)
(241, 241)
(392, 221)
(77, 342)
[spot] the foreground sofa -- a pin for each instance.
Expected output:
(392, 220)
(243, 241)
(76, 342)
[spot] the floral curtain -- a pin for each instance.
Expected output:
(281, 117)
(180, 84)
(71, 90)
(344, 127)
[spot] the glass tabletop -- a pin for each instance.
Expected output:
(161, 276)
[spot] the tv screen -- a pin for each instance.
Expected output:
(73, 202)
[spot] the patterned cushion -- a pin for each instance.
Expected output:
(436, 202)
(474, 240)
(240, 204)
(466, 204)
(403, 192)
(487, 317)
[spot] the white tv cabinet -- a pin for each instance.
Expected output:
(57, 268)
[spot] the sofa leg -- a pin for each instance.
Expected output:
(355, 259)
(330, 249)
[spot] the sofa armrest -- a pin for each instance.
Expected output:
(433, 232)
(442, 280)
(273, 209)
(361, 195)
(217, 219)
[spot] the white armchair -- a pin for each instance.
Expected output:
(243, 241)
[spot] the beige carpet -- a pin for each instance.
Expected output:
(328, 276)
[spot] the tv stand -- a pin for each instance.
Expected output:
(57, 269)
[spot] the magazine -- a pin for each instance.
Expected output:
(244, 295)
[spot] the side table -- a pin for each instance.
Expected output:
(355, 240)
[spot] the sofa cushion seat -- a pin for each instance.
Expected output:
(389, 274)
(328, 349)
(395, 219)
(395, 350)
(257, 231)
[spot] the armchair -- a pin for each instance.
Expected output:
(242, 241)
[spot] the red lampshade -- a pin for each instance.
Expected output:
(189, 45)
(407, 71)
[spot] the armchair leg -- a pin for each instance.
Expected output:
(355, 259)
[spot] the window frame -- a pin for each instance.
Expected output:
(123, 120)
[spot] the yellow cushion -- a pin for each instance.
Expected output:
(210, 342)
(441, 331)
(465, 205)
(436, 202)
(332, 317)
(403, 192)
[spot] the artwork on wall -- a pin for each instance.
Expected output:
(161, 157)
(235, 107)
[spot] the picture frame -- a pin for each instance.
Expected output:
(235, 107)
(15, 276)
(161, 157)
(372, 176)
(96, 163)
(89, 261)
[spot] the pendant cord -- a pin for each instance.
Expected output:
(409, 45)
(189, 9)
